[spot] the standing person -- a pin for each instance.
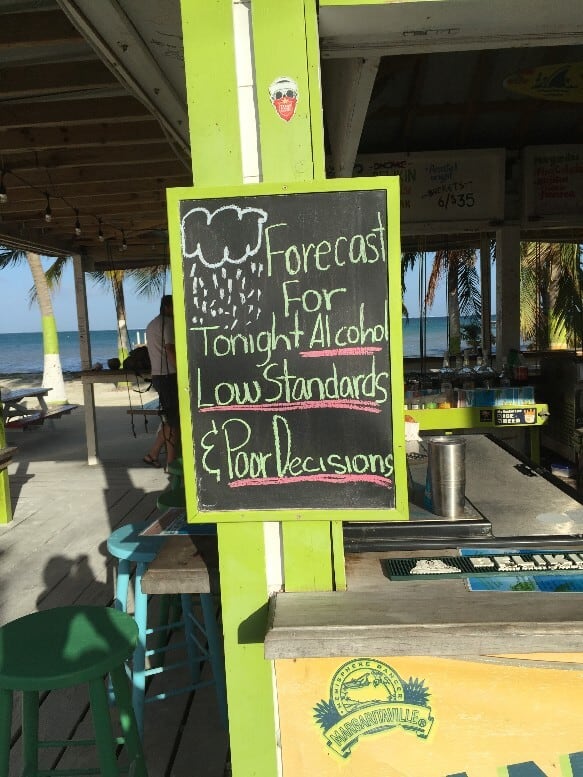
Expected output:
(162, 352)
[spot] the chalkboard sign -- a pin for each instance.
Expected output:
(287, 324)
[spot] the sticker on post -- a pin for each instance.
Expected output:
(283, 93)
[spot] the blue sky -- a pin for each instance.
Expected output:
(17, 316)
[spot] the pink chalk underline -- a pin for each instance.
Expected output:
(377, 480)
(359, 351)
(365, 406)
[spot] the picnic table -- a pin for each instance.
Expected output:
(18, 415)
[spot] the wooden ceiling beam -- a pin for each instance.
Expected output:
(96, 190)
(54, 78)
(160, 171)
(64, 113)
(22, 30)
(458, 109)
(409, 110)
(45, 138)
(125, 215)
(86, 205)
(477, 83)
(22, 162)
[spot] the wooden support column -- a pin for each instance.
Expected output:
(507, 292)
(85, 349)
(347, 86)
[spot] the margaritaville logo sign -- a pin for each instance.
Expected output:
(368, 697)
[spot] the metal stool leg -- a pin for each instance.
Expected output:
(30, 733)
(215, 653)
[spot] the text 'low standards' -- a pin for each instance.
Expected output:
(287, 336)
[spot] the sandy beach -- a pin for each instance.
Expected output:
(122, 437)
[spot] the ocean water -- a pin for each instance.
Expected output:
(23, 352)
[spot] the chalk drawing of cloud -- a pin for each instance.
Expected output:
(228, 235)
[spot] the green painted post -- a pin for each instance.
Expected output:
(293, 150)
(5, 502)
(216, 160)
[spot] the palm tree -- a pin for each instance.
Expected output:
(463, 289)
(149, 281)
(551, 284)
(52, 370)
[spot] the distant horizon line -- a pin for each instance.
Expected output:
(140, 328)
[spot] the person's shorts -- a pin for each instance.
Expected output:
(167, 388)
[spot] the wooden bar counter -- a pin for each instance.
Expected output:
(426, 678)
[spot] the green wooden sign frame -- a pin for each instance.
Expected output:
(178, 200)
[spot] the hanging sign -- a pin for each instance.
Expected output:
(288, 341)
(443, 186)
(553, 183)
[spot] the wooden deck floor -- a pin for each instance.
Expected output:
(54, 553)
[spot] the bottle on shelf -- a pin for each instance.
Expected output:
(446, 374)
(485, 374)
(466, 377)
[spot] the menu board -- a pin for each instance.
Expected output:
(553, 183)
(287, 340)
(443, 186)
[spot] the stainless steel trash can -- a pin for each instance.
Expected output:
(445, 489)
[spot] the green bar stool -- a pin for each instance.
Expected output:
(60, 648)
(171, 498)
(176, 473)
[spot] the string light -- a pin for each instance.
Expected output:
(48, 211)
(48, 214)
(3, 195)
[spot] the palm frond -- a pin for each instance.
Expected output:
(150, 281)
(10, 256)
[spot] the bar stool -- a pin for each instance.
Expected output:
(175, 470)
(202, 639)
(60, 648)
(171, 498)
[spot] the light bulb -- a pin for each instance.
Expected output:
(100, 235)
(48, 211)
(77, 224)
(3, 194)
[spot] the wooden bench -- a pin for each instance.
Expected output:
(148, 408)
(39, 417)
(6, 456)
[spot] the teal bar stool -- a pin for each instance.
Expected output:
(61, 648)
(202, 638)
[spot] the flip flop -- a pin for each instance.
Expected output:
(152, 462)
